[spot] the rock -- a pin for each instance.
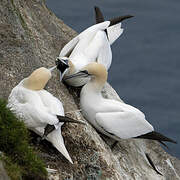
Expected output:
(3, 174)
(32, 36)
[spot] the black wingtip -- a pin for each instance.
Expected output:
(98, 15)
(47, 130)
(119, 19)
(114, 144)
(164, 145)
(156, 136)
(152, 164)
(164, 138)
(66, 119)
(95, 7)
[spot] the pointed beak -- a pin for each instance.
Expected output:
(62, 66)
(61, 75)
(51, 69)
(81, 74)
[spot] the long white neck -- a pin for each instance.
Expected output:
(95, 85)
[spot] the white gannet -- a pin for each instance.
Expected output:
(93, 44)
(113, 118)
(40, 110)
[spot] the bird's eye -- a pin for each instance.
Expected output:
(85, 72)
(57, 61)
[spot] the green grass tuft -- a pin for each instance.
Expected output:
(14, 139)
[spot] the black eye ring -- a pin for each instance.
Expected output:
(85, 72)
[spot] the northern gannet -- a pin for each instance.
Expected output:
(113, 118)
(40, 110)
(93, 44)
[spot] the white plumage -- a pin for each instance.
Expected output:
(37, 108)
(87, 46)
(111, 117)
(92, 45)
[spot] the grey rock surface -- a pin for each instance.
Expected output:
(3, 174)
(31, 36)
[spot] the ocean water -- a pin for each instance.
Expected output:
(145, 69)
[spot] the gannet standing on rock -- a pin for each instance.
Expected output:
(41, 111)
(111, 117)
(93, 44)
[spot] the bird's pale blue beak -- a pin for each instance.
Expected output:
(51, 69)
(82, 74)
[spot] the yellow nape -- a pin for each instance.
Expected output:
(71, 67)
(38, 79)
(98, 70)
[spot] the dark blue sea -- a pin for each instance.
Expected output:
(145, 70)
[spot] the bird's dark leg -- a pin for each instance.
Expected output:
(114, 144)
(104, 137)
(48, 129)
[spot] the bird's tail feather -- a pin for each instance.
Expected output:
(156, 136)
(56, 139)
(114, 30)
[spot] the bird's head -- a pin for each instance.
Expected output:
(95, 70)
(38, 78)
(62, 65)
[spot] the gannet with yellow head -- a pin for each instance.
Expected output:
(40, 110)
(91, 45)
(111, 117)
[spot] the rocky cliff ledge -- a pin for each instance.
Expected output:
(31, 36)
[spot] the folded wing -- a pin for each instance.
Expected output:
(123, 124)
(53, 104)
